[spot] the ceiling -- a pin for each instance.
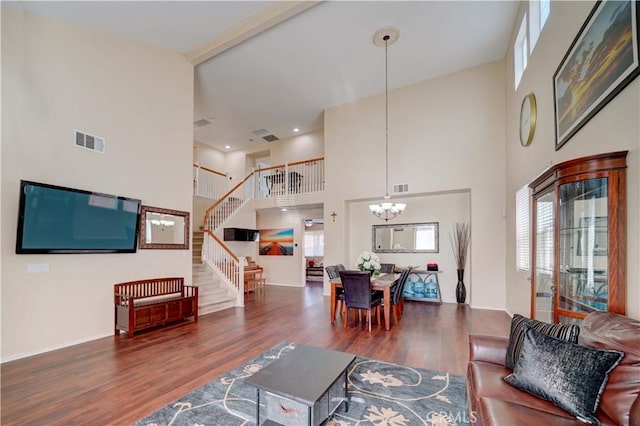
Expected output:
(265, 67)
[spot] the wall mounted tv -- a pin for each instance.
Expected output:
(240, 234)
(55, 219)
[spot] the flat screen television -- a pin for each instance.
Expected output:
(55, 219)
(240, 234)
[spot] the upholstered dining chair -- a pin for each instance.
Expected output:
(387, 268)
(358, 295)
(340, 267)
(397, 299)
(332, 272)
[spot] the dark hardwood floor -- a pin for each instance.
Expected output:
(116, 380)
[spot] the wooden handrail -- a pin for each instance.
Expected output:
(209, 170)
(224, 197)
(228, 193)
(306, 161)
(223, 245)
(281, 166)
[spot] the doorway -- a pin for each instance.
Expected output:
(314, 251)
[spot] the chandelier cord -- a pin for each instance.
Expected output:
(386, 112)
(386, 210)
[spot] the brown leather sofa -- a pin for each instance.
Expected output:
(492, 401)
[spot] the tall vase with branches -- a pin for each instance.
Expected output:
(460, 246)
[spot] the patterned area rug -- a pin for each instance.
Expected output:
(381, 393)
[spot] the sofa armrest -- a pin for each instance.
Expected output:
(491, 349)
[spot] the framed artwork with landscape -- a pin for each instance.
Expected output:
(276, 242)
(601, 61)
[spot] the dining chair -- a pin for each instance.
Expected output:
(358, 295)
(340, 267)
(397, 298)
(387, 268)
(333, 274)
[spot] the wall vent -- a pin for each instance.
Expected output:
(400, 188)
(91, 142)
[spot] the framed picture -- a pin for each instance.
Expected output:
(276, 242)
(600, 62)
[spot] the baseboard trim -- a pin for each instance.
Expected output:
(52, 348)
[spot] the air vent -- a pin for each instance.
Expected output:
(91, 142)
(400, 188)
(265, 134)
(201, 123)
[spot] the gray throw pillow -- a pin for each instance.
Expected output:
(568, 332)
(571, 376)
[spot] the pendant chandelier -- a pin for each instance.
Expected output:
(386, 210)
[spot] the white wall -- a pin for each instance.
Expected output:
(616, 127)
(446, 209)
(286, 270)
(445, 134)
(57, 78)
(209, 157)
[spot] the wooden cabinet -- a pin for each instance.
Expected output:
(579, 238)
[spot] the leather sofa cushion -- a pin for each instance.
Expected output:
(493, 411)
(486, 380)
(569, 375)
(604, 330)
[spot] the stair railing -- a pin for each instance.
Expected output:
(209, 183)
(286, 179)
(228, 204)
(228, 266)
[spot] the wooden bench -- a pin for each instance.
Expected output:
(148, 303)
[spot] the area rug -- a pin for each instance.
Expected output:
(381, 393)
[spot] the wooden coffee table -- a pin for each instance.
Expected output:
(303, 387)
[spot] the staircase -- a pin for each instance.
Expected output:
(212, 295)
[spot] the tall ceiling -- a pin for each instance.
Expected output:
(266, 67)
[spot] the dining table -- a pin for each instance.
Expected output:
(382, 282)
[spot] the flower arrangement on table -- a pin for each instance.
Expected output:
(368, 261)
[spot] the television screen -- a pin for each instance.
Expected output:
(54, 219)
(240, 234)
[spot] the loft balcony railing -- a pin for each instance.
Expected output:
(208, 183)
(301, 177)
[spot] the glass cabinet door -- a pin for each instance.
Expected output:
(544, 257)
(579, 238)
(582, 248)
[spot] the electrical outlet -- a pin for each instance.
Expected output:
(36, 268)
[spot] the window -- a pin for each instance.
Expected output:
(522, 230)
(520, 51)
(314, 243)
(538, 14)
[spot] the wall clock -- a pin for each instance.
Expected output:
(528, 116)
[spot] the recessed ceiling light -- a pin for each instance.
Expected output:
(296, 130)
(228, 146)
(284, 210)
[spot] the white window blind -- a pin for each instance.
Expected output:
(314, 243)
(523, 230)
(545, 238)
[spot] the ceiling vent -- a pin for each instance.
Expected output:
(201, 123)
(400, 188)
(266, 135)
(90, 142)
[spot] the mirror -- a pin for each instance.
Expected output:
(406, 238)
(163, 228)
